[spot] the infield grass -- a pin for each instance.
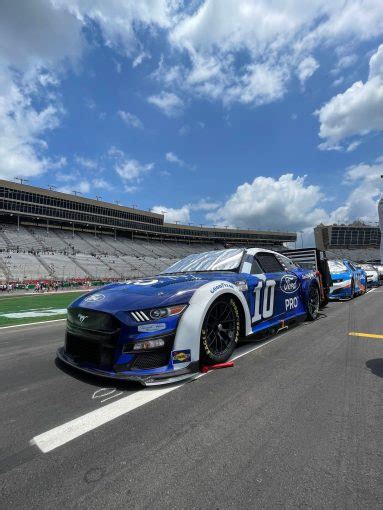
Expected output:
(34, 308)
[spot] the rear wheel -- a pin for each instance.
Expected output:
(313, 301)
(220, 331)
(352, 291)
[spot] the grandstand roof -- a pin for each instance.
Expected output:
(356, 235)
(37, 204)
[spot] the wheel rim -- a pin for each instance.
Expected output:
(220, 327)
(313, 303)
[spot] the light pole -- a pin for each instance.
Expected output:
(21, 179)
(380, 214)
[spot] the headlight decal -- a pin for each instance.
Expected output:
(155, 314)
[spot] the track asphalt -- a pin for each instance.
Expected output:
(297, 423)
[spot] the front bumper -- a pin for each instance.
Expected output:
(371, 282)
(150, 378)
(340, 290)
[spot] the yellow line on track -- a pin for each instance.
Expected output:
(367, 335)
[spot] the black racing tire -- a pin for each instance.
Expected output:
(352, 290)
(220, 331)
(312, 303)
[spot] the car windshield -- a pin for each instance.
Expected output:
(220, 260)
(369, 267)
(336, 266)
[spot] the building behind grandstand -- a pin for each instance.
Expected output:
(49, 235)
(358, 241)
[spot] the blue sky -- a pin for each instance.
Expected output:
(232, 112)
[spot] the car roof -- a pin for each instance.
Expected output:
(254, 251)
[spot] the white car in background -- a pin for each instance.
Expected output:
(379, 268)
(372, 274)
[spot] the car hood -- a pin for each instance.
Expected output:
(146, 293)
(371, 272)
(343, 275)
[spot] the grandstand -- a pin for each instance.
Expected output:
(358, 241)
(49, 235)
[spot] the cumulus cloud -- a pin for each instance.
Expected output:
(289, 203)
(31, 65)
(247, 52)
(267, 203)
(119, 20)
(130, 170)
(22, 126)
(344, 62)
(88, 163)
(204, 204)
(101, 183)
(38, 35)
(170, 104)
(357, 111)
(133, 170)
(173, 215)
(365, 183)
(173, 158)
(28, 66)
(82, 187)
(183, 214)
(130, 119)
(307, 68)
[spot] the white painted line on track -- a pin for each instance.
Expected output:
(72, 429)
(31, 324)
(62, 434)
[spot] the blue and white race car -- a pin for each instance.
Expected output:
(347, 279)
(159, 330)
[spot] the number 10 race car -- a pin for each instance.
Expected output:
(159, 330)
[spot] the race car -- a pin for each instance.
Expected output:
(347, 280)
(372, 274)
(161, 329)
(379, 268)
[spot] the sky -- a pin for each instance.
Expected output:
(248, 113)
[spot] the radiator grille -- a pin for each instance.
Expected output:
(150, 360)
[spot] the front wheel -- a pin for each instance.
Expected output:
(220, 331)
(313, 301)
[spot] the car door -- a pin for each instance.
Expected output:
(265, 277)
(356, 273)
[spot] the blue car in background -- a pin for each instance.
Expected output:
(348, 280)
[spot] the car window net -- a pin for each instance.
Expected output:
(269, 263)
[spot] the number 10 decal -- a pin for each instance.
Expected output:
(268, 289)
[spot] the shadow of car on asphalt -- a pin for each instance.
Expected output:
(375, 366)
(94, 380)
